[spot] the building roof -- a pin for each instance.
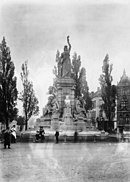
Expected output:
(97, 93)
(124, 80)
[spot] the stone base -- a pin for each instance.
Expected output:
(68, 122)
(65, 86)
(80, 124)
(45, 122)
(55, 124)
(89, 125)
(67, 127)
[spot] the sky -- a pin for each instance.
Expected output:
(35, 30)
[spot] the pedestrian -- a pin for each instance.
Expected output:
(37, 135)
(57, 136)
(7, 137)
(13, 134)
(75, 136)
(122, 134)
(41, 134)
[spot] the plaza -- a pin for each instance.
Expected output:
(63, 106)
(65, 162)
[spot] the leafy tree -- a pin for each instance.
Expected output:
(20, 122)
(27, 96)
(52, 90)
(8, 90)
(108, 91)
(76, 64)
(57, 69)
(81, 88)
(84, 90)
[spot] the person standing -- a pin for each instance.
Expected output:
(13, 134)
(37, 135)
(41, 134)
(57, 136)
(75, 136)
(7, 137)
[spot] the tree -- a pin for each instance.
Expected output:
(52, 90)
(8, 90)
(84, 90)
(81, 88)
(57, 69)
(20, 122)
(108, 91)
(76, 64)
(27, 96)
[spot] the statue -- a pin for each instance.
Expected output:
(55, 106)
(65, 60)
(67, 101)
(51, 107)
(67, 105)
(48, 108)
(79, 109)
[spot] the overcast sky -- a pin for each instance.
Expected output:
(35, 30)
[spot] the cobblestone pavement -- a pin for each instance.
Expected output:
(65, 162)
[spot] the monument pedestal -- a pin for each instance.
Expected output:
(55, 124)
(68, 119)
(81, 124)
(66, 86)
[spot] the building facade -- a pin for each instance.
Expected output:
(97, 114)
(123, 103)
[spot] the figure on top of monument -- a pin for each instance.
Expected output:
(65, 60)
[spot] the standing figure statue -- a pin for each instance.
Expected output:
(65, 60)
(67, 101)
(67, 109)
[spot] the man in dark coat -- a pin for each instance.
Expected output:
(7, 137)
(41, 134)
(57, 135)
(75, 136)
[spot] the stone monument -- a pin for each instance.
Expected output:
(65, 87)
(64, 110)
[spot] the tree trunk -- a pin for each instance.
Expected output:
(6, 120)
(7, 123)
(26, 125)
(26, 122)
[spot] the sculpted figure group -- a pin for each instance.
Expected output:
(79, 108)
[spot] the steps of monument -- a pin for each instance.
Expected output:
(83, 136)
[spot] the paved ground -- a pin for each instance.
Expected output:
(65, 162)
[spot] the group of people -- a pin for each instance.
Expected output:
(40, 135)
(9, 136)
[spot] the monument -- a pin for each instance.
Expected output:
(65, 112)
